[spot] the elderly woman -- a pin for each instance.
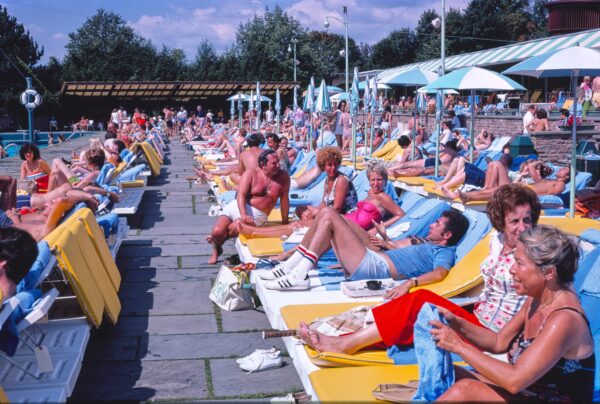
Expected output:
(549, 344)
(34, 167)
(513, 210)
(338, 191)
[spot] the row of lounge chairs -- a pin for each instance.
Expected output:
(326, 375)
(43, 337)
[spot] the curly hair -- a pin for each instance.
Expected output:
(95, 157)
(549, 247)
(327, 154)
(506, 198)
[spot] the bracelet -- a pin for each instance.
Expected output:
(416, 282)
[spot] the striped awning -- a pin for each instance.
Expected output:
(503, 55)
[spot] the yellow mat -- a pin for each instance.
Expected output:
(261, 247)
(575, 225)
(154, 161)
(385, 149)
(132, 184)
(357, 383)
(412, 180)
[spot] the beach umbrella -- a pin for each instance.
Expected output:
(240, 111)
(232, 109)
(367, 108)
(473, 78)
(417, 78)
(354, 99)
(295, 97)
(309, 99)
(334, 90)
(380, 86)
(258, 105)
(322, 104)
(277, 107)
(250, 108)
(255, 98)
(427, 90)
(373, 100)
(239, 97)
(340, 97)
(573, 61)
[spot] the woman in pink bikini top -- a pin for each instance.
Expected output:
(378, 205)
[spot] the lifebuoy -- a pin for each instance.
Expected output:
(26, 97)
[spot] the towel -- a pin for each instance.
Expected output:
(32, 278)
(436, 372)
(132, 173)
(109, 223)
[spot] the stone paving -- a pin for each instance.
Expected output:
(171, 342)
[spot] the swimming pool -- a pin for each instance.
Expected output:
(12, 141)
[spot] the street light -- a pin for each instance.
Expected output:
(440, 24)
(345, 22)
(294, 41)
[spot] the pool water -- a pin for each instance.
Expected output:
(12, 141)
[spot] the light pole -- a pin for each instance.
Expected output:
(441, 72)
(345, 22)
(294, 41)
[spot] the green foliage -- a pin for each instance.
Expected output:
(106, 49)
(396, 49)
(205, 66)
(170, 65)
(16, 45)
(320, 57)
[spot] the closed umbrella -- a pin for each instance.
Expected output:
(277, 107)
(240, 97)
(232, 110)
(309, 105)
(472, 78)
(571, 62)
(373, 99)
(367, 107)
(258, 105)
(322, 104)
(354, 99)
(251, 108)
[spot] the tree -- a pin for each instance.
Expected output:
(170, 65)
(322, 58)
(104, 48)
(396, 49)
(17, 47)
(365, 61)
(539, 18)
(205, 65)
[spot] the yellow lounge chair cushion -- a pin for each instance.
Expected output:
(103, 284)
(152, 158)
(385, 149)
(575, 225)
(274, 216)
(356, 383)
(375, 357)
(132, 184)
(261, 247)
(116, 172)
(3, 397)
(70, 260)
(412, 180)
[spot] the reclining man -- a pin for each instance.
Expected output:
(257, 194)
(421, 260)
(18, 251)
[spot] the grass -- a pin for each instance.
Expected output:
(179, 262)
(193, 204)
(210, 388)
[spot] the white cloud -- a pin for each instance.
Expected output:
(59, 36)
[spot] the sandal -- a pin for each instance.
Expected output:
(396, 393)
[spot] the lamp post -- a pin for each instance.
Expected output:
(345, 22)
(440, 23)
(294, 41)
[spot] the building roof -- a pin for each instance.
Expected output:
(179, 91)
(503, 55)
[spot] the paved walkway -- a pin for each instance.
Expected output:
(171, 342)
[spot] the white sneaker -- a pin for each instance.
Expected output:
(288, 282)
(259, 352)
(277, 272)
(263, 362)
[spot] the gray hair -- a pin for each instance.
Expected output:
(377, 168)
(549, 247)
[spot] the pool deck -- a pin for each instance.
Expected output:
(171, 342)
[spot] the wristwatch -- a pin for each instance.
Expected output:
(416, 281)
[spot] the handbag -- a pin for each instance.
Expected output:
(28, 186)
(232, 289)
(396, 393)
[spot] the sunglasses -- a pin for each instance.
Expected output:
(373, 285)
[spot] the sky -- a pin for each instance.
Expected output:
(184, 23)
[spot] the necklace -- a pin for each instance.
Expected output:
(544, 305)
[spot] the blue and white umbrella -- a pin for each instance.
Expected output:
(240, 111)
(258, 105)
(474, 78)
(232, 109)
(277, 107)
(414, 77)
(340, 97)
(367, 95)
(571, 62)
(250, 108)
(309, 99)
(354, 100)
(380, 86)
(239, 97)
(322, 104)
(373, 102)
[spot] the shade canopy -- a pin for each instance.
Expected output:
(415, 77)
(427, 90)
(239, 97)
(475, 78)
(380, 86)
(560, 63)
(323, 103)
(340, 97)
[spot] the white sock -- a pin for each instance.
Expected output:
(291, 262)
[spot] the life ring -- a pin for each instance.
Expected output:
(25, 98)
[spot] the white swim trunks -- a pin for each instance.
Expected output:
(232, 211)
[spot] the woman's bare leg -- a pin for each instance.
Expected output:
(468, 387)
(346, 344)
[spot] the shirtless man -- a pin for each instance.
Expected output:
(248, 160)
(258, 192)
(541, 185)
(169, 120)
(425, 166)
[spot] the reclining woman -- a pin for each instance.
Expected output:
(61, 174)
(462, 172)
(34, 167)
(549, 343)
(541, 185)
(425, 166)
(512, 210)
(378, 206)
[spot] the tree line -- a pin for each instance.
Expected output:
(104, 48)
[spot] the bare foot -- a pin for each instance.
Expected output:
(450, 194)
(217, 250)
(316, 340)
(438, 185)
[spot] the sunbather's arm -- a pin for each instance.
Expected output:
(437, 275)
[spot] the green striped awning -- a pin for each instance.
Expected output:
(512, 53)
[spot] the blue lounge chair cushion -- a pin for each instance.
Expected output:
(31, 279)
(591, 283)
(9, 338)
(132, 173)
(109, 223)
(591, 236)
